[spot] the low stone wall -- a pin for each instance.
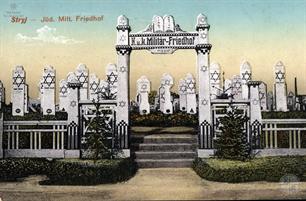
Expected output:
(42, 153)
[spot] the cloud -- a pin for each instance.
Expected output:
(46, 34)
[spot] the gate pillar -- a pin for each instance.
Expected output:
(205, 118)
(123, 63)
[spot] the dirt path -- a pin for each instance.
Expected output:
(153, 184)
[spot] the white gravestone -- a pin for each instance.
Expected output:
(280, 88)
(246, 76)
(82, 73)
(263, 96)
(18, 91)
(102, 90)
(161, 97)
(63, 96)
(215, 80)
(167, 82)
(73, 97)
(2, 94)
(112, 77)
(48, 87)
(236, 87)
(191, 94)
(93, 87)
(143, 89)
(182, 89)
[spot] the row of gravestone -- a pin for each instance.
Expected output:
(90, 88)
(235, 88)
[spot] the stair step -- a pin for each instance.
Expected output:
(164, 147)
(158, 163)
(164, 155)
(168, 138)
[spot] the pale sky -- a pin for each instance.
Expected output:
(258, 31)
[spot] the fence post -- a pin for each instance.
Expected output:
(1, 135)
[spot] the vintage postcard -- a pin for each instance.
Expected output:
(152, 100)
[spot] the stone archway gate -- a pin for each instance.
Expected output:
(163, 36)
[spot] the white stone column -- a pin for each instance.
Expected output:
(93, 87)
(263, 96)
(182, 89)
(143, 89)
(246, 76)
(255, 113)
(123, 95)
(82, 74)
(63, 96)
(203, 68)
(280, 88)
(48, 96)
(166, 82)
(215, 80)
(73, 110)
(18, 91)
(191, 94)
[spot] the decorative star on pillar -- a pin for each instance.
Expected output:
(49, 80)
(18, 80)
(93, 86)
(246, 76)
(112, 78)
(122, 103)
(262, 95)
(280, 76)
(82, 78)
(237, 85)
(203, 35)
(204, 102)
(73, 103)
(123, 69)
(190, 84)
(215, 76)
(144, 87)
(167, 82)
(63, 90)
(122, 38)
(255, 101)
(162, 96)
(204, 68)
(183, 88)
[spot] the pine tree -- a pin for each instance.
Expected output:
(99, 143)
(232, 142)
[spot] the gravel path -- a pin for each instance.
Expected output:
(153, 184)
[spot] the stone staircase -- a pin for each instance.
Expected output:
(164, 150)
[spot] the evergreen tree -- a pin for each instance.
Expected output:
(99, 141)
(232, 142)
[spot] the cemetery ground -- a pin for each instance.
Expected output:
(154, 184)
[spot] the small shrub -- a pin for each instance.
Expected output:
(85, 172)
(14, 168)
(259, 169)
